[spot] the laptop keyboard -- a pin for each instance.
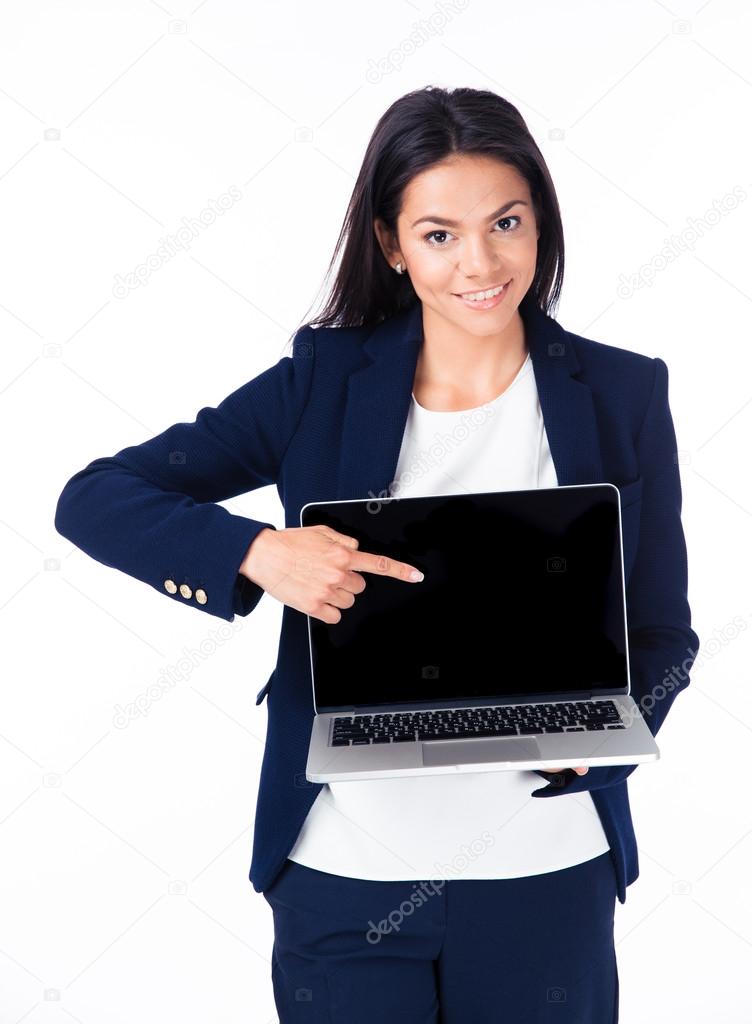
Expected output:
(467, 723)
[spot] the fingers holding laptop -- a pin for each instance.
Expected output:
(315, 569)
(580, 771)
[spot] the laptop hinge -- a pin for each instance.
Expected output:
(458, 702)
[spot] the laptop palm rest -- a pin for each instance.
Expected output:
(438, 752)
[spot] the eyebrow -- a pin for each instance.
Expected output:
(454, 223)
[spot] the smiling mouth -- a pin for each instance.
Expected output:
(480, 291)
(497, 293)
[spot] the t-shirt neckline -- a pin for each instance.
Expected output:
(455, 412)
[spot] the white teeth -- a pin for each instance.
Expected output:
(479, 296)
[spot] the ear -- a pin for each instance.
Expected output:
(386, 242)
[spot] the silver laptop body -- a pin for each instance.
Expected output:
(511, 653)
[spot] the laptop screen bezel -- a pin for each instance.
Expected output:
(492, 700)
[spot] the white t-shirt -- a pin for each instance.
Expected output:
(480, 824)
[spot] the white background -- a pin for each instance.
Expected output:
(125, 851)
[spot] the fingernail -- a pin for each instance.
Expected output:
(416, 576)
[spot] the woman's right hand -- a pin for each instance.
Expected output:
(314, 569)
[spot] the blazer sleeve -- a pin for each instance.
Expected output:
(149, 510)
(662, 644)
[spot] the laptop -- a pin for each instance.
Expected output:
(511, 653)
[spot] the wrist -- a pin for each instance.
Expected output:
(249, 565)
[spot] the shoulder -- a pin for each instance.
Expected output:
(618, 371)
(599, 357)
(337, 348)
(323, 337)
(627, 385)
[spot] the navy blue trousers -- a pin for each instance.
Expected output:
(532, 950)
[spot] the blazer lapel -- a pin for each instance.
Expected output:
(379, 395)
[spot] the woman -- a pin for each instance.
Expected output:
(406, 898)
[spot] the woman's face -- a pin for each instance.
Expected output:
(467, 224)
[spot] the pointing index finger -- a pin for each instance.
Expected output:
(385, 566)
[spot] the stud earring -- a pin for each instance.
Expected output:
(398, 268)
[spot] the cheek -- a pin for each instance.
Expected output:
(530, 250)
(430, 269)
(522, 252)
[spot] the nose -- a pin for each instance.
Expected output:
(478, 259)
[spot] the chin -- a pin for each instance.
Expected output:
(488, 322)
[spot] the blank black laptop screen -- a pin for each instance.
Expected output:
(522, 594)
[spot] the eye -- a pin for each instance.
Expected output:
(432, 242)
(429, 238)
(513, 217)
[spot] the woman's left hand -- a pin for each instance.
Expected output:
(580, 771)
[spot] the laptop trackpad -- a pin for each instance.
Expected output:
(437, 752)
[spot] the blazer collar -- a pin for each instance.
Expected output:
(379, 396)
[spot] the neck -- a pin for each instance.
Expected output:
(452, 358)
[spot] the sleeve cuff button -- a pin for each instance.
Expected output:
(201, 596)
(185, 591)
(170, 586)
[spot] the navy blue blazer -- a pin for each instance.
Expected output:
(326, 423)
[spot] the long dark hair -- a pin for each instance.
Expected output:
(415, 132)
